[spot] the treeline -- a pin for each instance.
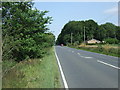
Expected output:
(105, 32)
(24, 31)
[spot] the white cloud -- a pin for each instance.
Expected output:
(113, 10)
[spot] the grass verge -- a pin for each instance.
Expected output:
(0, 75)
(34, 73)
(101, 49)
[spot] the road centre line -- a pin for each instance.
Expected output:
(61, 71)
(88, 57)
(108, 64)
(83, 56)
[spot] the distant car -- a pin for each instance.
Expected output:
(61, 44)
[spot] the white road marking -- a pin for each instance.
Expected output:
(61, 71)
(108, 64)
(72, 51)
(78, 53)
(81, 56)
(88, 57)
(84, 56)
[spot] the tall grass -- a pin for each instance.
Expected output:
(104, 49)
(0, 75)
(37, 73)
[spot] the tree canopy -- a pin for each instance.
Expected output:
(92, 30)
(25, 32)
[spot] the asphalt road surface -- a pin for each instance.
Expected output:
(83, 69)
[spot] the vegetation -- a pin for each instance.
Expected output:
(111, 40)
(28, 60)
(74, 31)
(108, 32)
(25, 32)
(34, 73)
(107, 49)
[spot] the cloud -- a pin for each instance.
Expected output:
(113, 10)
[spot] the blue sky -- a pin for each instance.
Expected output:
(63, 12)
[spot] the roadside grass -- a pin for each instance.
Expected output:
(7, 65)
(34, 73)
(107, 49)
(0, 75)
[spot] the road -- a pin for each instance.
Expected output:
(83, 69)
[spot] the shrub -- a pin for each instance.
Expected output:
(113, 51)
(76, 43)
(24, 32)
(111, 41)
(100, 48)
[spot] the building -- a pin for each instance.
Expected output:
(93, 41)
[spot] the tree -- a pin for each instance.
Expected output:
(118, 32)
(111, 40)
(25, 32)
(92, 30)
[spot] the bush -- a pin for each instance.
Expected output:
(100, 48)
(28, 35)
(76, 43)
(111, 40)
(113, 51)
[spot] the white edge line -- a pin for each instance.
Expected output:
(108, 64)
(61, 71)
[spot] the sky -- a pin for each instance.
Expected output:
(63, 12)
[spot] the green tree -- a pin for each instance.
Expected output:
(111, 40)
(92, 30)
(118, 32)
(25, 32)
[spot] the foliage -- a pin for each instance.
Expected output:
(111, 41)
(104, 49)
(100, 48)
(7, 65)
(118, 33)
(34, 73)
(25, 32)
(92, 30)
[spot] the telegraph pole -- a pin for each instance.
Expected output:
(84, 34)
(71, 38)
